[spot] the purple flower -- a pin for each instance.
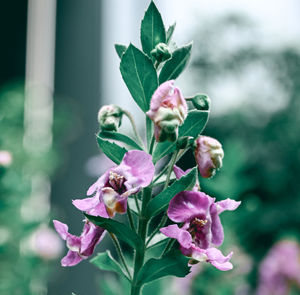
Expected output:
(5, 158)
(79, 247)
(202, 229)
(168, 110)
(209, 155)
(115, 185)
(279, 269)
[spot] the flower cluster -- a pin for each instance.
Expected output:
(280, 269)
(171, 128)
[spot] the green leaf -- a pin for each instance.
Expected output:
(120, 49)
(162, 200)
(157, 240)
(122, 231)
(174, 66)
(120, 137)
(170, 33)
(192, 126)
(152, 29)
(139, 76)
(173, 263)
(110, 149)
(105, 261)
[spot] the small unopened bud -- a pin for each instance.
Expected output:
(168, 110)
(161, 52)
(110, 117)
(209, 155)
(184, 141)
(201, 102)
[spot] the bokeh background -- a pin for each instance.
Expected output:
(58, 66)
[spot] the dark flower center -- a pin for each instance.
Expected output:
(196, 226)
(116, 182)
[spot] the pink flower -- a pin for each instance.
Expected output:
(79, 247)
(279, 269)
(209, 155)
(115, 185)
(5, 158)
(45, 243)
(168, 110)
(202, 229)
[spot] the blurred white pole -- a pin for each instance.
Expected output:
(39, 82)
(38, 112)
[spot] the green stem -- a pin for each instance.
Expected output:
(129, 116)
(165, 217)
(142, 232)
(149, 131)
(168, 247)
(172, 163)
(161, 173)
(152, 144)
(120, 253)
(130, 218)
(137, 204)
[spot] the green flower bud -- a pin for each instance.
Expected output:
(161, 52)
(201, 102)
(110, 117)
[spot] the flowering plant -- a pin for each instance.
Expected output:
(136, 188)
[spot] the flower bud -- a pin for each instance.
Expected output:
(110, 117)
(209, 155)
(161, 52)
(168, 110)
(201, 102)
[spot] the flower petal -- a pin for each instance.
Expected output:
(188, 204)
(216, 226)
(61, 228)
(182, 236)
(71, 259)
(87, 203)
(91, 237)
(227, 204)
(98, 210)
(138, 169)
(99, 184)
(159, 95)
(218, 260)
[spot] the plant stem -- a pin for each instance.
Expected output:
(152, 144)
(137, 204)
(172, 163)
(149, 131)
(129, 116)
(168, 246)
(130, 218)
(120, 253)
(142, 232)
(165, 217)
(161, 173)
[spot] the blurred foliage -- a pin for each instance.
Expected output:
(22, 271)
(261, 144)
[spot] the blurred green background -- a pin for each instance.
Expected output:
(252, 74)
